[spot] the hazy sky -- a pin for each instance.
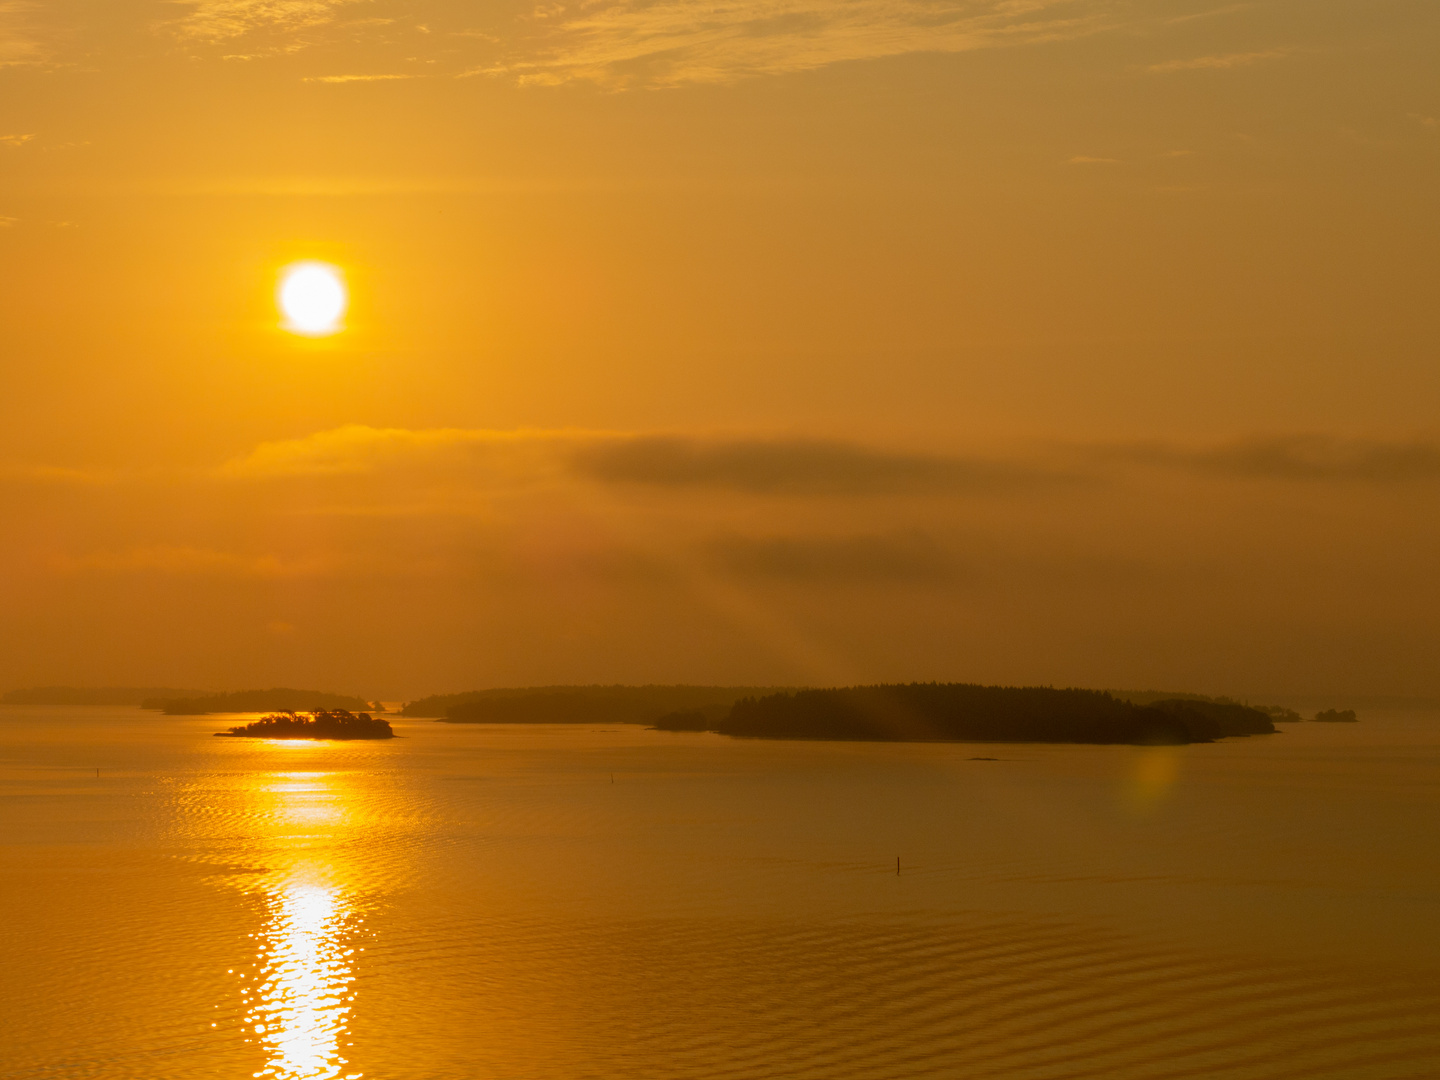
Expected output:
(1087, 342)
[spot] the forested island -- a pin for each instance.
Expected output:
(277, 699)
(899, 712)
(964, 712)
(91, 695)
(581, 704)
(954, 712)
(321, 724)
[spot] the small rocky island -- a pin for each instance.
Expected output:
(321, 724)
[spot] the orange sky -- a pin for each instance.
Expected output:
(1082, 342)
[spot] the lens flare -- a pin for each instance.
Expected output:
(1156, 771)
(313, 299)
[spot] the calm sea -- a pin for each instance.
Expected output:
(571, 902)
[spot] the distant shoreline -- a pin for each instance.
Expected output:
(912, 712)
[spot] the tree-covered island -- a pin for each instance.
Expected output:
(321, 724)
(963, 712)
(580, 704)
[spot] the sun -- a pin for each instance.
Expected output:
(312, 298)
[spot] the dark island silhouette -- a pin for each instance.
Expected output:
(957, 712)
(953, 712)
(321, 724)
(1279, 714)
(91, 695)
(581, 704)
(278, 699)
(965, 712)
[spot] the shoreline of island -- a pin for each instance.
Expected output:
(901, 712)
(339, 725)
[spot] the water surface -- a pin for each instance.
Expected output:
(569, 902)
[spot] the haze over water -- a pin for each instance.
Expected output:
(487, 902)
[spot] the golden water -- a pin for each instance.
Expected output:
(561, 903)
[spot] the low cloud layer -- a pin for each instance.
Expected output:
(444, 555)
(761, 465)
(796, 467)
(1311, 458)
(757, 466)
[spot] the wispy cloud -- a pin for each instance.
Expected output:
(19, 39)
(221, 20)
(671, 42)
(13, 141)
(1220, 62)
(661, 43)
(1194, 16)
(357, 78)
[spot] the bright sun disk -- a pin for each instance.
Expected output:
(312, 296)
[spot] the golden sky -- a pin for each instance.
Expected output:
(1088, 342)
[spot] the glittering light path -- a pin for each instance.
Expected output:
(300, 1005)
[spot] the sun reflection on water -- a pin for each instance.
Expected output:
(299, 1003)
(299, 1006)
(304, 798)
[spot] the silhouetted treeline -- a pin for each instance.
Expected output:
(1230, 717)
(1280, 714)
(1153, 697)
(321, 724)
(920, 712)
(91, 695)
(1150, 697)
(579, 704)
(1336, 716)
(278, 699)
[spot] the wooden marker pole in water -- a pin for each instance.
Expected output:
(897, 865)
